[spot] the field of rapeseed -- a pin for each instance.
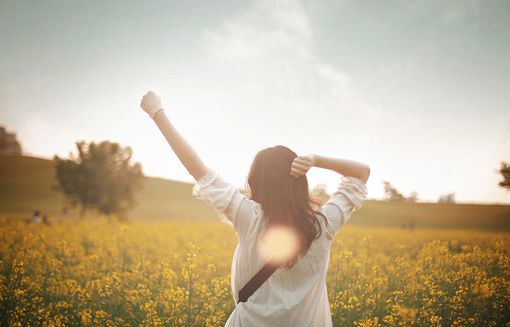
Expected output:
(176, 273)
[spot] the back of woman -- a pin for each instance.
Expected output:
(290, 297)
(278, 225)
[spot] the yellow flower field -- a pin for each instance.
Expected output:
(176, 273)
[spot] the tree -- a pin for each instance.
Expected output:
(505, 173)
(391, 193)
(319, 192)
(447, 198)
(101, 177)
(413, 197)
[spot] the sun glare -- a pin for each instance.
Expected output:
(280, 243)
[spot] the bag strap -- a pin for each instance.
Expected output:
(256, 281)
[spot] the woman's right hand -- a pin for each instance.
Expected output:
(301, 165)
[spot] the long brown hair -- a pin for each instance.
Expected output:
(285, 199)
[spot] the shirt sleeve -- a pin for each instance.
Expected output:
(347, 198)
(233, 207)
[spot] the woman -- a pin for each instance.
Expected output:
(277, 221)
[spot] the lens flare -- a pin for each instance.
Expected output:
(280, 243)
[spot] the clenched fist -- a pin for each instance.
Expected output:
(151, 103)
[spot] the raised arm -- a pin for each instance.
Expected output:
(151, 103)
(302, 164)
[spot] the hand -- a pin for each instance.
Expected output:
(301, 165)
(151, 103)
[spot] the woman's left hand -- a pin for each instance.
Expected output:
(151, 103)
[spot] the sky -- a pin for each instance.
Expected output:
(419, 90)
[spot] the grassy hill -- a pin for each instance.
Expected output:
(26, 184)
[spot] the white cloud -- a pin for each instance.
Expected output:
(458, 11)
(267, 53)
(264, 59)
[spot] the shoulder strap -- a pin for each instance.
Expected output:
(256, 281)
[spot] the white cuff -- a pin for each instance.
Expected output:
(356, 184)
(203, 182)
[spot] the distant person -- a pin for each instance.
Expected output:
(36, 217)
(45, 220)
(282, 233)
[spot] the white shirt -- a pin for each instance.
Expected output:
(294, 297)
